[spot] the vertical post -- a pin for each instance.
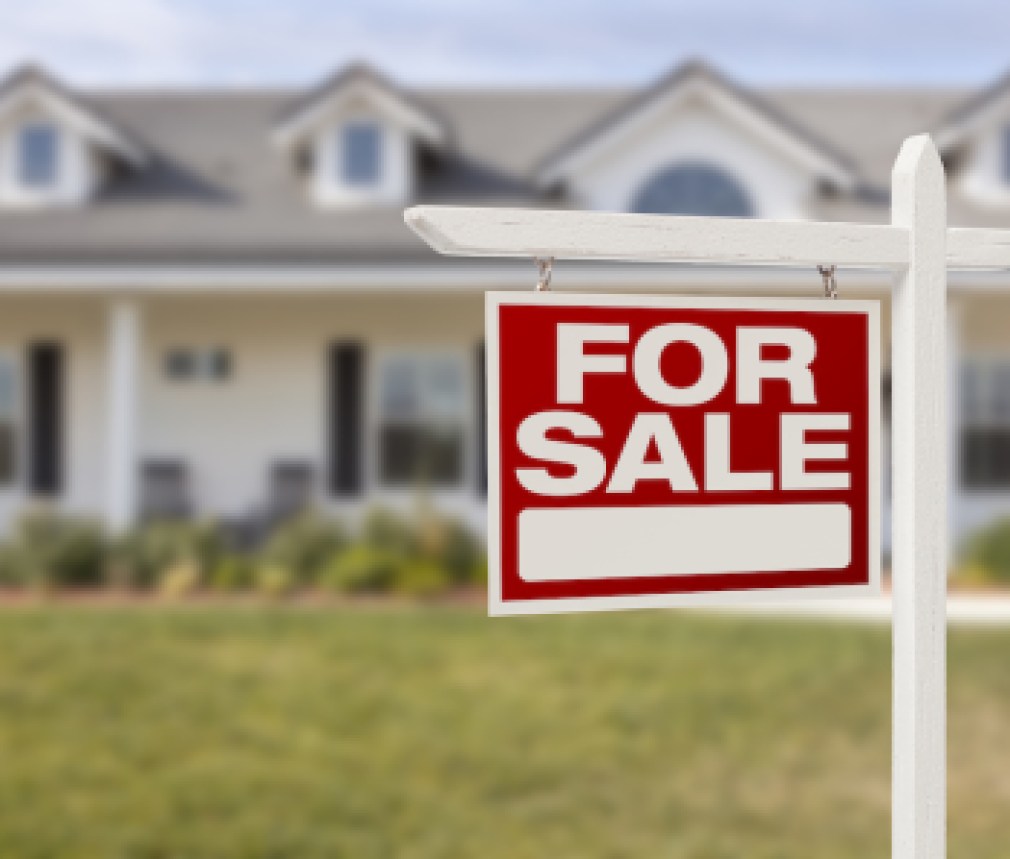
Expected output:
(954, 314)
(121, 457)
(919, 457)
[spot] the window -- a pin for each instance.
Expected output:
(422, 408)
(38, 154)
(693, 188)
(179, 365)
(985, 424)
(361, 154)
(9, 415)
(183, 365)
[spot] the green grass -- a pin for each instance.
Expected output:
(294, 732)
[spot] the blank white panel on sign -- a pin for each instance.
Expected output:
(562, 544)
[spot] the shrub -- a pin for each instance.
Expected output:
(478, 575)
(458, 551)
(971, 575)
(383, 529)
(274, 580)
(420, 577)
(438, 551)
(987, 554)
(50, 550)
(304, 545)
(232, 573)
(11, 572)
(180, 579)
(362, 569)
(140, 557)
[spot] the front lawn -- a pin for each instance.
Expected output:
(436, 732)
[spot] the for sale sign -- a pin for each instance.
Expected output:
(654, 451)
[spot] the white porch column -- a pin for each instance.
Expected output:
(123, 346)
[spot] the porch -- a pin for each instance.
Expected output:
(237, 406)
(219, 404)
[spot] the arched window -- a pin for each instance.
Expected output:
(693, 188)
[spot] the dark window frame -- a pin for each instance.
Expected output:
(181, 364)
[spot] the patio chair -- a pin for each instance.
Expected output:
(291, 489)
(165, 490)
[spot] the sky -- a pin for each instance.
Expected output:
(508, 42)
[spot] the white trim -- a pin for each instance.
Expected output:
(495, 300)
(294, 129)
(955, 132)
(726, 102)
(459, 277)
(418, 276)
(87, 125)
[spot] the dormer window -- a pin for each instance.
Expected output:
(361, 154)
(38, 156)
(693, 188)
(55, 149)
(361, 135)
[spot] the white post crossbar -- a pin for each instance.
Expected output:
(476, 232)
(919, 248)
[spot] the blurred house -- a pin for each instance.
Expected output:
(209, 303)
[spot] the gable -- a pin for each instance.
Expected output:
(29, 91)
(975, 140)
(694, 131)
(358, 89)
(696, 82)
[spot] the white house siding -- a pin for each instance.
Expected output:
(273, 407)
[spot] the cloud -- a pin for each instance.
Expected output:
(103, 41)
(123, 42)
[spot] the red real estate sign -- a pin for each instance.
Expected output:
(654, 451)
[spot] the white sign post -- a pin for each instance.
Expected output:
(918, 248)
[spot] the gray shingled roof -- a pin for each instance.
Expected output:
(217, 190)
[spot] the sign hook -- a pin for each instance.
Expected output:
(544, 266)
(830, 283)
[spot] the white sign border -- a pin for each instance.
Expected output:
(497, 607)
